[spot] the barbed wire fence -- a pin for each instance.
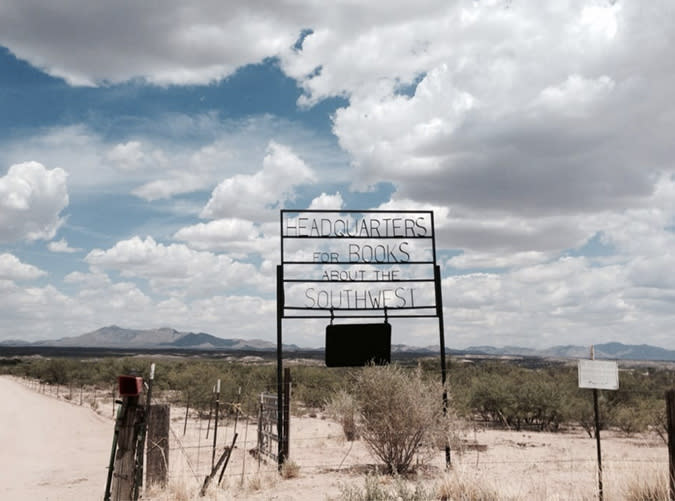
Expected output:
(318, 445)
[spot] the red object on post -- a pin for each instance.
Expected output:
(129, 386)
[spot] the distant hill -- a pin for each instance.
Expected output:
(118, 337)
(208, 341)
(609, 351)
(164, 338)
(14, 342)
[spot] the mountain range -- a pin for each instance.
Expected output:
(167, 338)
(162, 338)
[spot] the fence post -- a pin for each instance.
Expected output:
(670, 416)
(260, 431)
(124, 469)
(158, 445)
(208, 423)
(215, 424)
(187, 410)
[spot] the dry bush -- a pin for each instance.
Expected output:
(399, 413)
(343, 408)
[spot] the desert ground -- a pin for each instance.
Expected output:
(53, 448)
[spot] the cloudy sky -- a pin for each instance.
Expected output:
(146, 149)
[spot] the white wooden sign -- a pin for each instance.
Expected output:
(598, 374)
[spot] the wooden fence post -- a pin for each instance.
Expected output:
(187, 410)
(215, 424)
(670, 416)
(158, 445)
(124, 469)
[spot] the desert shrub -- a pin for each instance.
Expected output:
(491, 399)
(515, 398)
(313, 385)
(343, 408)
(399, 413)
(632, 419)
(659, 423)
(375, 488)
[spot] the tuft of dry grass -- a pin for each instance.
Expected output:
(176, 490)
(261, 481)
(653, 487)
(255, 483)
(454, 487)
(290, 469)
(343, 408)
(384, 488)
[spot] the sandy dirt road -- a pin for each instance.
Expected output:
(50, 449)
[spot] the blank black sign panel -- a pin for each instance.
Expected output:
(355, 345)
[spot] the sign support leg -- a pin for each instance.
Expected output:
(441, 331)
(597, 440)
(670, 421)
(280, 387)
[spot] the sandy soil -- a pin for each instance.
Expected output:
(55, 450)
(51, 449)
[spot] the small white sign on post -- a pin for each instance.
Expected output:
(598, 374)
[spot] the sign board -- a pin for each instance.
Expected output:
(358, 263)
(598, 374)
(354, 345)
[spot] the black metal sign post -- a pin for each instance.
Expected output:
(280, 404)
(366, 264)
(597, 442)
(441, 331)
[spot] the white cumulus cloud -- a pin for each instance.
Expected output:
(237, 237)
(176, 269)
(253, 195)
(327, 202)
(62, 246)
(167, 43)
(31, 200)
(11, 268)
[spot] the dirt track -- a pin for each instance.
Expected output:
(51, 449)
